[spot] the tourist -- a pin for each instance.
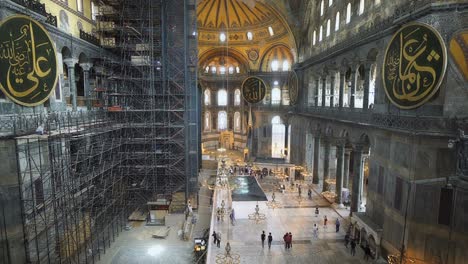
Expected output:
(285, 238)
(325, 221)
(215, 238)
(290, 240)
(353, 247)
(309, 193)
(315, 230)
(337, 225)
(262, 237)
(270, 239)
(346, 240)
(316, 211)
(218, 239)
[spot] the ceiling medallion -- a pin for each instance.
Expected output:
(252, 54)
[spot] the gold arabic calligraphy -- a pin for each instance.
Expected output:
(28, 63)
(253, 90)
(412, 69)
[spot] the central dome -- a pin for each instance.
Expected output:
(233, 15)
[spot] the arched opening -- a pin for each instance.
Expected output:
(277, 137)
(207, 122)
(237, 97)
(222, 98)
(237, 122)
(275, 96)
(207, 97)
(222, 121)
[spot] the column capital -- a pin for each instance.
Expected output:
(70, 62)
(340, 142)
(86, 66)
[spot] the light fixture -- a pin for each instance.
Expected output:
(275, 83)
(257, 216)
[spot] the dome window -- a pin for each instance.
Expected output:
(270, 30)
(274, 65)
(249, 35)
(222, 37)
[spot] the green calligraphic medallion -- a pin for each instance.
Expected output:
(293, 87)
(414, 65)
(253, 90)
(28, 62)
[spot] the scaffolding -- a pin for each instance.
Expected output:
(81, 180)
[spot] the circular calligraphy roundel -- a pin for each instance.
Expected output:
(414, 65)
(28, 62)
(293, 87)
(253, 90)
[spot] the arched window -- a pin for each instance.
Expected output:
(270, 30)
(314, 37)
(213, 69)
(231, 70)
(207, 97)
(285, 65)
(377, 2)
(275, 96)
(237, 69)
(274, 65)
(361, 6)
(207, 69)
(222, 120)
(237, 122)
(328, 27)
(372, 85)
(348, 13)
(320, 34)
(337, 21)
(249, 35)
(222, 97)
(207, 126)
(222, 70)
(330, 2)
(321, 8)
(237, 97)
(277, 138)
(222, 37)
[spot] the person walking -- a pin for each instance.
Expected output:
(270, 239)
(316, 211)
(262, 237)
(290, 240)
(315, 230)
(346, 240)
(285, 238)
(309, 193)
(353, 247)
(337, 225)
(215, 238)
(367, 252)
(325, 221)
(232, 216)
(218, 238)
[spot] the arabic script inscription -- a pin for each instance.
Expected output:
(253, 90)
(414, 66)
(28, 64)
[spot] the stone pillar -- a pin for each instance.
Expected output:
(340, 156)
(87, 90)
(342, 84)
(315, 172)
(324, 90)
(317, 87)
(326, 164)
(286, 139)
(332, 89)
(357, 178)
(347, 156)
(367, 81)
(70, 62)
(353, 87)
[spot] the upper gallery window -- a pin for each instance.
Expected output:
(79, 5)
(237, 69)
(222, 97)
(222, 37)
(285, 65)
(330, 2)
(348, 13)
(328, 27)
(270, 30)
(213, 69)
(207, 97)
(93, 11)
(237, 97)
(231, 70)
(321, 33)
(337, 21)
(274, 65)
(361, 6)
(321, 8)
(314, 37)
(222, 70)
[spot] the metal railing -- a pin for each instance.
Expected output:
(38, 7)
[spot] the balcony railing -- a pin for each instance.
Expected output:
(38, 7)
(416, 124)
(89, 38)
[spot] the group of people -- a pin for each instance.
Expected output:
(287, 240)
(216, 238)
(353, 243)
(263, 237)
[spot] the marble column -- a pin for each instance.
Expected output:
(342, 85)
(340, 156)
(367, 81)
(332, 89)
(70, 62)
(324, 90)
(87, 90)
(286, 139)
(347, 155)
(357, 178)
(315, 171)
(317, 87)
(353, 88)
(326, 164)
